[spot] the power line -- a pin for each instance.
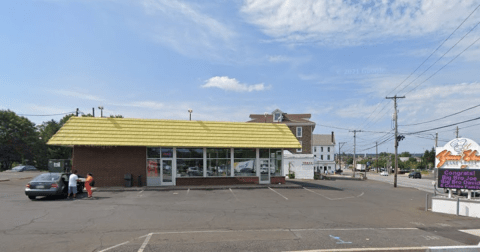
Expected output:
(442, 117)
(422, 64)
(48, 115)
(441, 56)
(411, 133)
(443, 66)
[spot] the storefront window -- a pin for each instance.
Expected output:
(218, 163)
(167, 152)
(276, 158)
(153, 172)
(153, 152)
(190, 153)
(264, 153)
(244, 162)
(190, 162)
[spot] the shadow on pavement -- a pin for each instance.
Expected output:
(314, 185)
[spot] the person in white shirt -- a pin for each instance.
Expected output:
(72, 184)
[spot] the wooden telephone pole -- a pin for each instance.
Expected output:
(396, 135)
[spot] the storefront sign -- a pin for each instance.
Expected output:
(459, 179)
(307, 163)
(460, 153)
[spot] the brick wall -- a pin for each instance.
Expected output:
(216, 181)
(306, 139)
(277, 180)
(110, 164)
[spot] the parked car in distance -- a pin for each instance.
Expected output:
(415, 175)
(339, 171)
(384, 173)
(21, 168)
(194, 171)
(50, 184)
(460, 192)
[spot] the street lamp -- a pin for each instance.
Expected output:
(101, 110)
(265, 114)
(190, 111)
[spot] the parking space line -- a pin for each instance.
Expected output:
(278, 193)
(188, 191)
(145, 242)
(275, 230)
(233, 194)
(118, 245)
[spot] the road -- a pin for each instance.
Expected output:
(424, 184)
(321, 215)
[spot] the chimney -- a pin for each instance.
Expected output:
(332, 137)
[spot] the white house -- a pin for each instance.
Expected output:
(324, 153)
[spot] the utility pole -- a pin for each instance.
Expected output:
(76, 113)
(436, 139)
(340, 144)
(376, 159)
(354, 150)
(396, 135)
(457, 132)
(93, 111)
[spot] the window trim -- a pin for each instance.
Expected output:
(301, 132)
(300, 150)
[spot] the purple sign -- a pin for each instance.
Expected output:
(459, 179)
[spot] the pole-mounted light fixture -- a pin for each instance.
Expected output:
(190, 111)
(101, 110)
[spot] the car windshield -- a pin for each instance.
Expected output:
(47, 177)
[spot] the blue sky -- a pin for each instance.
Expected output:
(336, 60)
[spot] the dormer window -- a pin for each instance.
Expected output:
(277, 115)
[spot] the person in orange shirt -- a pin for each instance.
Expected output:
(87, 184)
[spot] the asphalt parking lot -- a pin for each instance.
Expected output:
(319, 215)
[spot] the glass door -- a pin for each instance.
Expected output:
(265, 168)
(167, 173)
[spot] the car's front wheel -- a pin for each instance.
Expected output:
(32, 197)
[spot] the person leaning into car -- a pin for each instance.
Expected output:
(72, 184)
(87, 184)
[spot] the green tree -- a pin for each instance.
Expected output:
(116, 116)
(46, 130)
(405, 154)
(18, 140)
(428, 158)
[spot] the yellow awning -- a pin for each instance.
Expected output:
(172, 133)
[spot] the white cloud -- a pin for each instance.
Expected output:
(147, 104)
(345, 23)
(231, 84)
(79, 95)
(185, 28)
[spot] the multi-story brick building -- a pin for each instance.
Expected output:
(299, 124)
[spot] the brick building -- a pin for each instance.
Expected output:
(299, 124)
(170, 152)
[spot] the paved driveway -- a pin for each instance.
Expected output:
(320, 215)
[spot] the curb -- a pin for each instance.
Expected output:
(344, 178)
(178, 188)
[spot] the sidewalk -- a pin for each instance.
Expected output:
(287, 185)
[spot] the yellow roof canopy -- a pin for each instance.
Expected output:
(172, 133)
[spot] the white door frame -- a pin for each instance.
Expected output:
(260, 161)
(172, 183)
